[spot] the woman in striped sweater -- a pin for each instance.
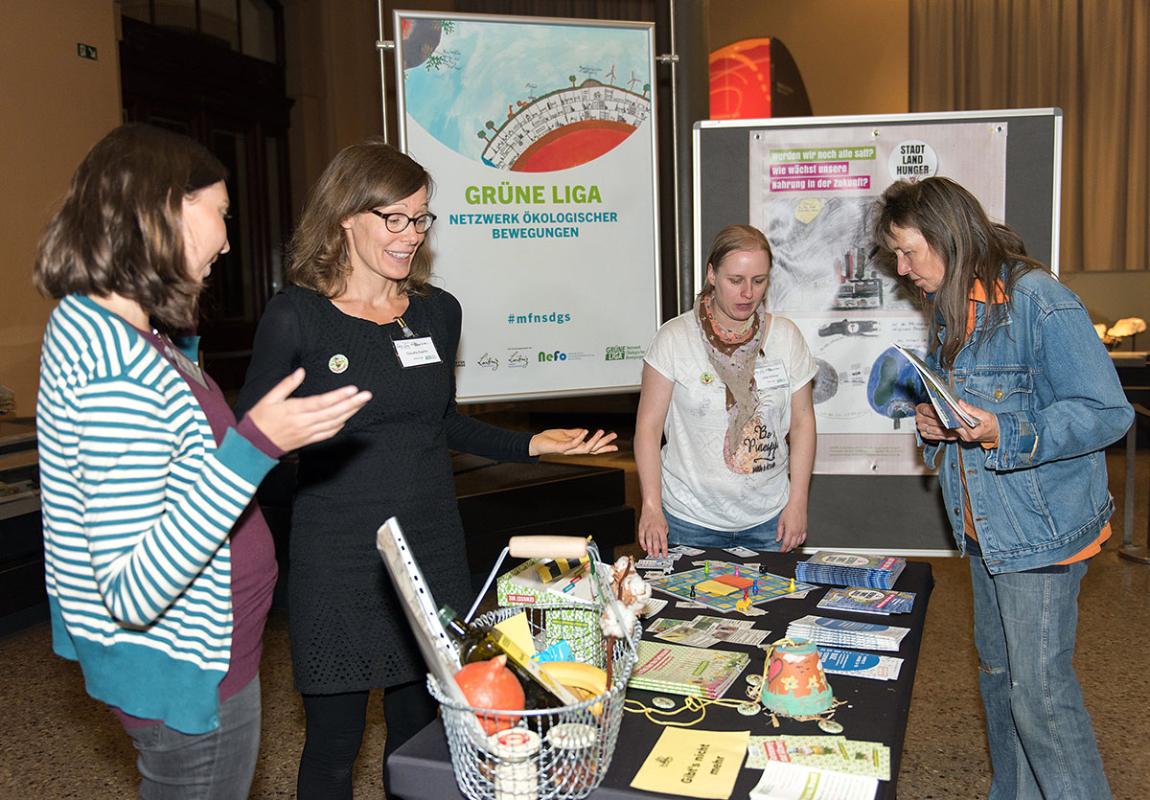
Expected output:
(159, 567)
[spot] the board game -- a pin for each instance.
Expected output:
(726, 587)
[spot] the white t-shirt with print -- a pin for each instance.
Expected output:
(698, 484)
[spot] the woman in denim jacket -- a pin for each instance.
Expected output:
(1025, 488)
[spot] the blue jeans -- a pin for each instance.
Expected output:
(209, 766)
(1041, 739)
(759, 537)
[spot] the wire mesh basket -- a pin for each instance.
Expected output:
(544, 753)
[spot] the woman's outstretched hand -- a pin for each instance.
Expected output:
(571, 442)
(293, 422)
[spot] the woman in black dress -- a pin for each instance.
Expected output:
(360, 310)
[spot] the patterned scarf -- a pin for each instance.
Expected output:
(732, 355)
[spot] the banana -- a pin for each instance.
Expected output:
(586, 694)
(575, 674)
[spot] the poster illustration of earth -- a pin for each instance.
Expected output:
(526, 98)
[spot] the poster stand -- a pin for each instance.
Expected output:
(540, 136)
(865, 509)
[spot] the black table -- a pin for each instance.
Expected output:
(875, 711)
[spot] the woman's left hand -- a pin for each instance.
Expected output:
(571, 442)
(985, 432)
(792, 528)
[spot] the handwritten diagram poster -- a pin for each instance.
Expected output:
(540, 137)
(812, 192)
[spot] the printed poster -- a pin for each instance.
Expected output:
(540, 138)
(812, 191)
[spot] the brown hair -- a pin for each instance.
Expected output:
(360, 177)
(972, 248)
(734, 239)
(119, 228)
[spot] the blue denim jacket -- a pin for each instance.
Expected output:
(1041, 496)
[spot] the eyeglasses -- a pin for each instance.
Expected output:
(397, 223)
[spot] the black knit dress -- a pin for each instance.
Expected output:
(348, 632)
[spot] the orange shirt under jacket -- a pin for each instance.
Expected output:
(978, 295)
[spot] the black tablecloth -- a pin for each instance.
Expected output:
(875, 710)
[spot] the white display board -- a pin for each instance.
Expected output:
(868, 493)
(539, 135)
(811, 187)
(812, 191)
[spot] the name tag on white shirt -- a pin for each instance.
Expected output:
(771, 375)
(416, 352)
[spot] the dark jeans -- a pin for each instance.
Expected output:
(334, 732)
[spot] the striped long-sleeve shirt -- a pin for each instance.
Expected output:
(137, 505)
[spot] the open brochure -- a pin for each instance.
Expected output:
(941, 397)
(787, 781)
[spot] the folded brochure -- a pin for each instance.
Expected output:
(847, 633)
(786, 781)
(863, 600)
(943, 399)
(857, 664)
(834, 753)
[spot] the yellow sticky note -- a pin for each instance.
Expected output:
(518, 630)
(714, 587)
(694, 763)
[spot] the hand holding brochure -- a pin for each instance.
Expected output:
(941, 397)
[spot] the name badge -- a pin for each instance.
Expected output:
(186, 365)
(771, 375)
(416, 352)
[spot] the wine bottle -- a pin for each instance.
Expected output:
(479, 644)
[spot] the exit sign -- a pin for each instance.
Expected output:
(85, 51)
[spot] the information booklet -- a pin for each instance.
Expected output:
(945, 403)
(851, 569)
(786, 781)
(859, 665)
(847, 633)
(861, 600)
(678, 669)
(834, 753)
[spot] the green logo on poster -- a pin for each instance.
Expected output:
(622, 353)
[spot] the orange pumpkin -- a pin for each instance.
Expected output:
(490, 684)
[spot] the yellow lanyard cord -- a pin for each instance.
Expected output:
(697, 705)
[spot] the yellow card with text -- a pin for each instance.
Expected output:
(694, 763)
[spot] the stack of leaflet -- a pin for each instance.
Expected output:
(850, 569)
(845, 633)
(867, 601)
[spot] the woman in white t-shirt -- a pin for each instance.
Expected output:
(729, 384)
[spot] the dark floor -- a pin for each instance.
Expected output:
(56, 743)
